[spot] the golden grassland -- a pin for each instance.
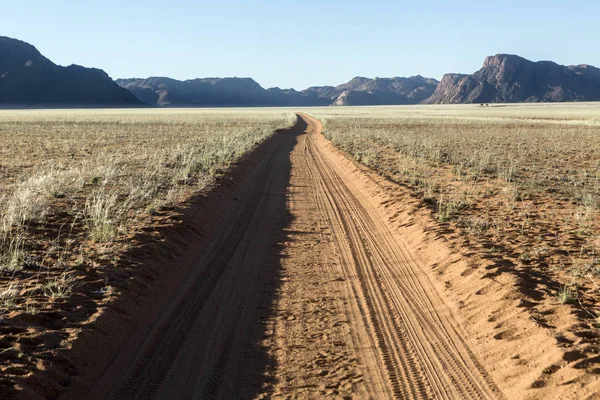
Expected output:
(76, 181)
(518, 183)
(86, 198)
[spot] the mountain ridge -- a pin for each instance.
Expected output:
(29, 79)
(508, 78)
(236, 91)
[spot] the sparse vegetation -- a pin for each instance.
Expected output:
(76, 185)
(523, 178)
(119, 161)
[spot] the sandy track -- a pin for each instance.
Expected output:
(420, 351)
(193, 341)
(303, 291)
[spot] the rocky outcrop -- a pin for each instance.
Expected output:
(508, 78)
(28, 79)
(447, 90)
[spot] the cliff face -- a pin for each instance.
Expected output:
(447, 90)
(246, 92)
(28, 79)
(511, 79)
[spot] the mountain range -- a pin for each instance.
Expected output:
(246, 92)
(28, 79)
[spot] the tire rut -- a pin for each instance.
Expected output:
(302, 291)
(194, 345)
(423, 352)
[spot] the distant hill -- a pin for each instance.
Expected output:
(381, 91)
(246, 92)
(508, 78)
(198, 92)
(28, 79)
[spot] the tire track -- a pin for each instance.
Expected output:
(193, 344)
(423, 352)
(327, 301)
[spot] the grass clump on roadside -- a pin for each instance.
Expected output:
(102, 215)
(448, 208)
(12, 253)
(567, 294)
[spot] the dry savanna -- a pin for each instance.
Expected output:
(414, 252)
(81, 189)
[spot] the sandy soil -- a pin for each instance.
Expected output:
(313, 277)
(374, 309)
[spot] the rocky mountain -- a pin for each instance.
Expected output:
(28, 79)
(379, 91)
(508, 78)
(206, 92)
(246, 92)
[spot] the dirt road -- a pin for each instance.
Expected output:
(302, 290)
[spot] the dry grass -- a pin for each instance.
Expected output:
(522, 180)
(544, 153)
(85, 197)
(73, 179)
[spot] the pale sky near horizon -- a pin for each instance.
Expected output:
(302, 43)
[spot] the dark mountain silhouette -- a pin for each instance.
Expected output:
(28, 79)
(246, 92)
(508, 78)
(198, 92)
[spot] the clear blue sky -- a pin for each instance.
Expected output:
(302, 43)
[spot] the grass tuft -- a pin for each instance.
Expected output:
(567, 295)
